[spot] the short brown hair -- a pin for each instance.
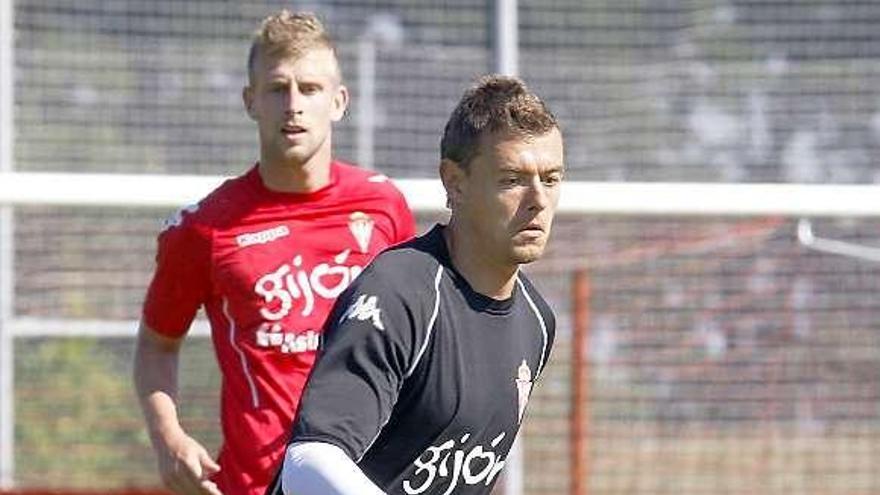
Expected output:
(288, 34)
(496, 103)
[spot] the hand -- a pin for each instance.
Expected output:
(186, 466)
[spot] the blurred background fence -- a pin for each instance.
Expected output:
(719, 354)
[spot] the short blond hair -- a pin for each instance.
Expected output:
(288, 34)
(495, 104)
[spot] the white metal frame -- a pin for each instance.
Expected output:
(7, 281)
(505, 37)
(810, 240)
(427, 195)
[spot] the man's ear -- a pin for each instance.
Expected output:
(453, 177)
(340, 103)
(247, 96)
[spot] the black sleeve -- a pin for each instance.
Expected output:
(371, 337)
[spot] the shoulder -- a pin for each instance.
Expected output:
(545, 317)
(396, 294)
(213, 210)
(376, 194)
(411, 264)
(536, 300)
(407, 274)
(364, 182)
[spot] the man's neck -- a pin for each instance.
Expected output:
(281, 176)
(485, 275)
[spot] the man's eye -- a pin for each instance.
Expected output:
(510, 181)
(552, 180)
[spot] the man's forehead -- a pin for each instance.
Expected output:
(316, 61)
(520, 159)
(518, 138)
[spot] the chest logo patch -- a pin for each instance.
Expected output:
(263, 236)
(523, 386)
(361, 226)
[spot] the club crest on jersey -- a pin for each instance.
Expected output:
(523, 386)
(365, 308)
(361, 226)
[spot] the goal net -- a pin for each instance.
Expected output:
(722, 355)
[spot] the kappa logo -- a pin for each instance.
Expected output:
(365, 308)
(263, 236)
(361, 226)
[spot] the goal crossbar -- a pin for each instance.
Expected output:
(427, 195)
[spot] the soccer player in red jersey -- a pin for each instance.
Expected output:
(265, 254)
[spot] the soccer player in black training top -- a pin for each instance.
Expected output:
(430, 355)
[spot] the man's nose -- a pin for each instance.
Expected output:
(292, 100)
(538, 195)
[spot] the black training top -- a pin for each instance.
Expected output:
(423, 381)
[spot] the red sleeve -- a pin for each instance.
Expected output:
(181, 282)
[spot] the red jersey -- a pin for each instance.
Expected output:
(267, 267)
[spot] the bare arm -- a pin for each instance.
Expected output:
(184, 464)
